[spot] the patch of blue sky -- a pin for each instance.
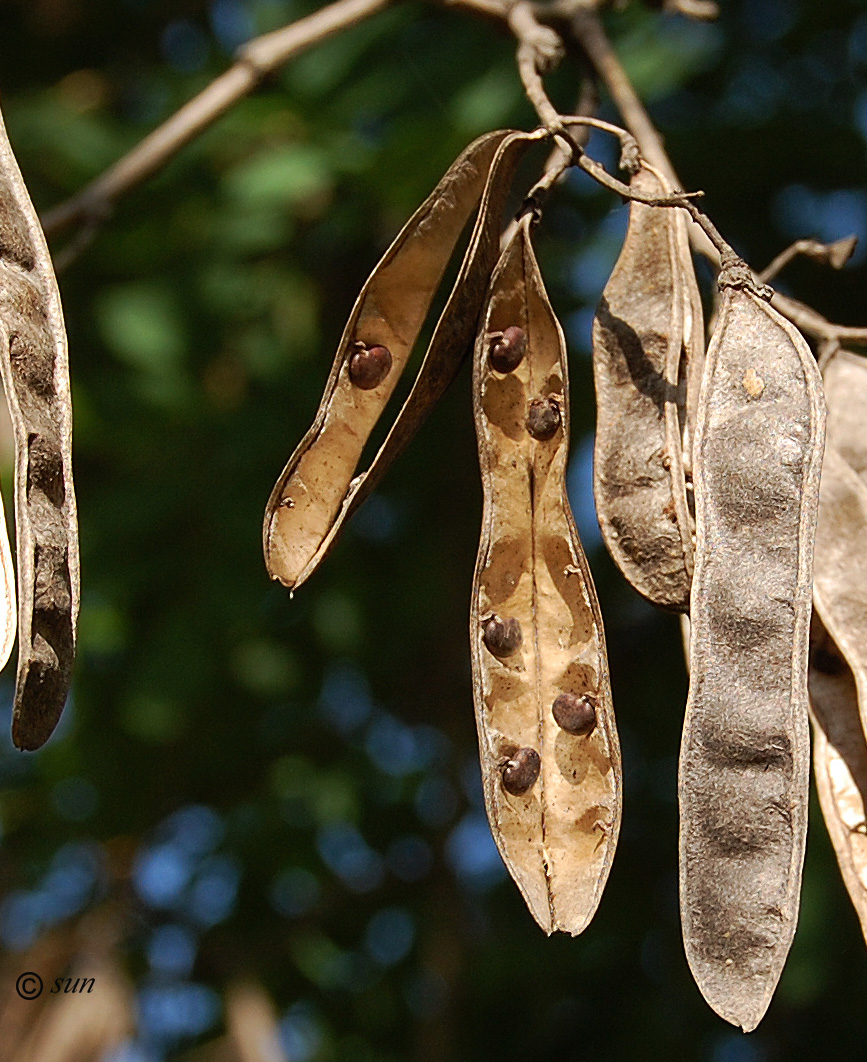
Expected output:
(472, 854)
(184, 46)
(345, 700)
(171, 951)
(579, 488)
(801, 212)
(232, 23)
(161, 874)
(301, 1032)
(389, 936)
(214, 891)
(175, 1012)
(350, 857)
(195, 828)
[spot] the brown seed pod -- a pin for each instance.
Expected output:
(840, 569)
(838, 672)
(840, 762)
(369, 366)
(647, 339)
(845, 379)
(574, 713)
(33, 360)
(508, 349)
(502, 637)
(543, 418)
(558, 840)
(320, 487)
(521, 771)
(744, 762)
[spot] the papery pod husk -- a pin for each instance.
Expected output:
(844, 375)
(318, 489)
(840, 762)
(839, 696)
(558, 838)
(647, 341)
(840, 571)
(33, 359)
(744, 766)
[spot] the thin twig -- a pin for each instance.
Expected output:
(255, 61)
(835, 254)
(812, 323)
(588, 30)
(559, 160)
(538, 47)
(590, 33)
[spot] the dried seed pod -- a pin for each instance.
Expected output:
(744, 758)
(575, 714)
(502, 637)
(845, 378)
(838, 677)
(558, 837)
(543, 418)
(646, 339)
(508, 348)
(521, 771)
(319, 489)
(36, 380)
(840, 570)
(840, 762)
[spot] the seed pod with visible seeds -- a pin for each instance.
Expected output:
(646, 340)
(319, 489)
(557, 837)
(33, 360)
(744, 758)
(840, 762)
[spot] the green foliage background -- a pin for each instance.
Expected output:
(290, 788)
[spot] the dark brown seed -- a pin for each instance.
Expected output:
(502, 636)
(521, 771)
(574, 713)
(508, 349)
(369, 366)
(543, 418)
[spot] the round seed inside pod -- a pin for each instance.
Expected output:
(575, 713)
(508, 349)
(543, 418)
(502, 637)
(369, 366)
(521, 771)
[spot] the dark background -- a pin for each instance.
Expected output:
(289, 790)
